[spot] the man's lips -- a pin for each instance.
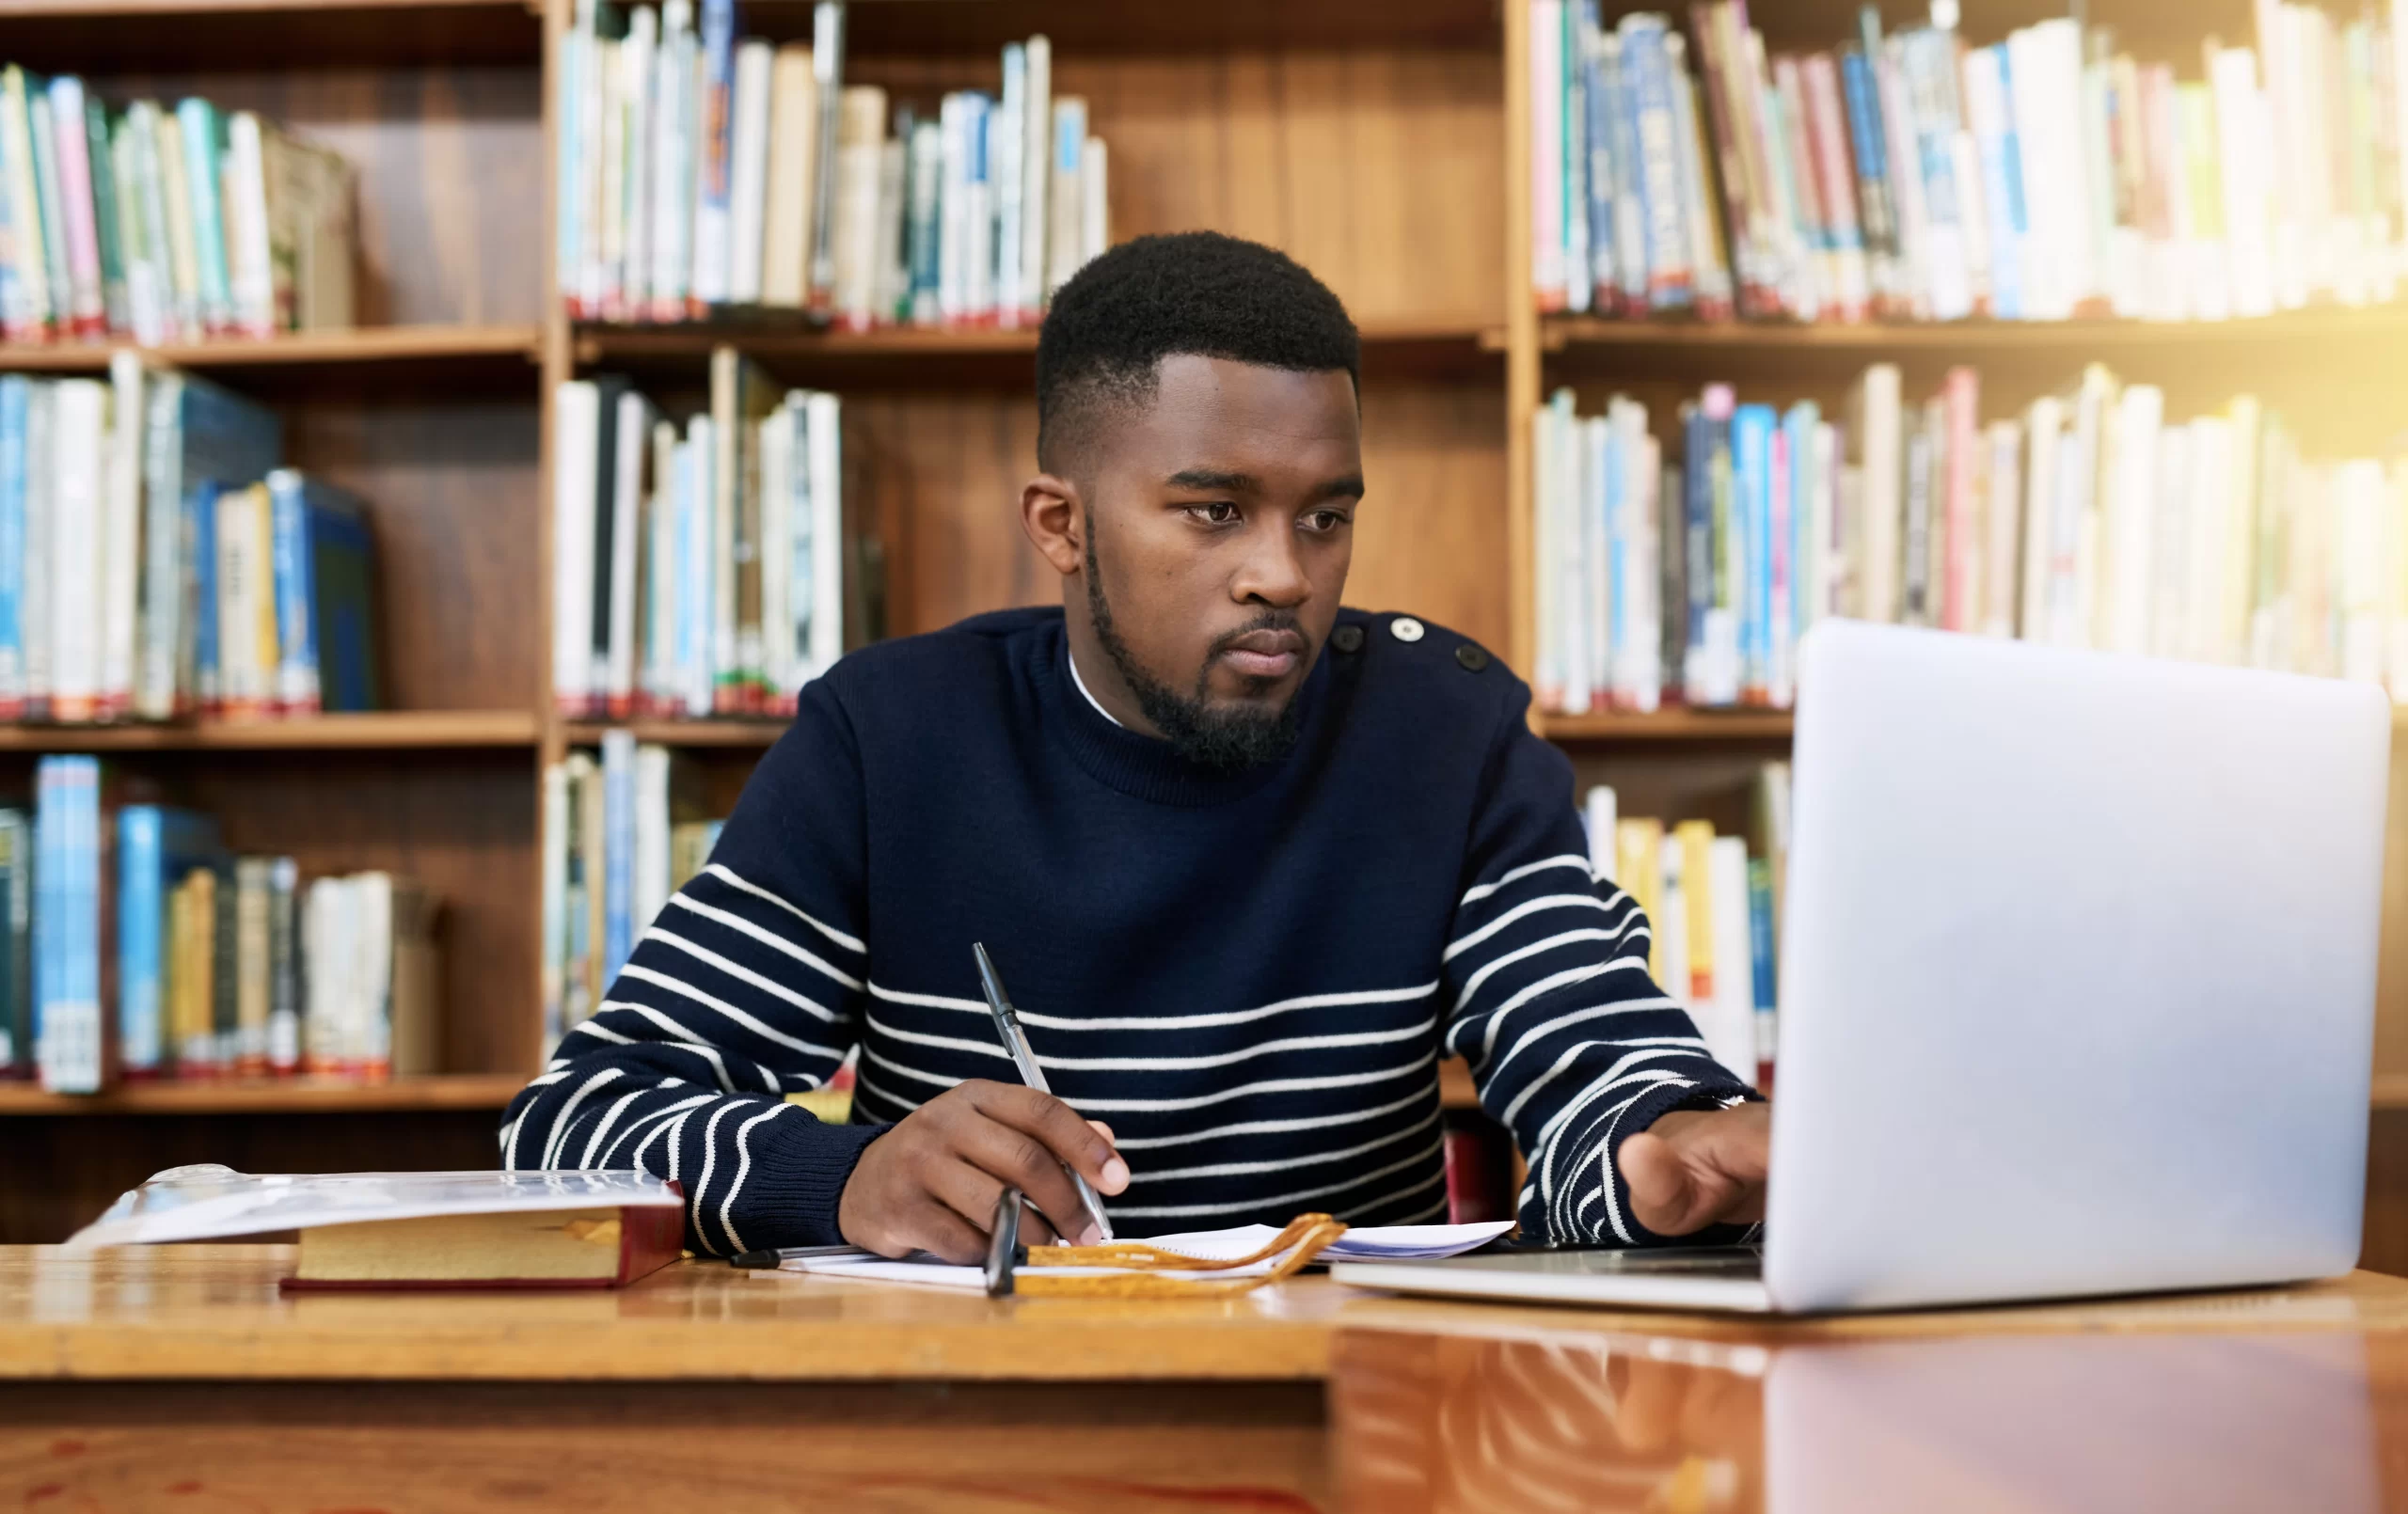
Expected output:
(1265, 654)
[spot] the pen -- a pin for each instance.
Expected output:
(1016, 1046)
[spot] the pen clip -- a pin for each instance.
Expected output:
(1004, 1251)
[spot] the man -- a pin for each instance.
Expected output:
(1249, 864)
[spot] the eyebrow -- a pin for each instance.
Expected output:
(1349, 486)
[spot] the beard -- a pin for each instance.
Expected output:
(1227, 736)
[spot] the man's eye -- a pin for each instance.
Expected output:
(1219, 513)
(1325, 520)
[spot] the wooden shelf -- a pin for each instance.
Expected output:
(2391, 1091)
(507, 354)
(1671, 725)
(1973, 339)
(284, 1095)
(759, 734)
(920, 356)
(115, 36)
(389, 730)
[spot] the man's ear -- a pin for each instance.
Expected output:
(1050, 513)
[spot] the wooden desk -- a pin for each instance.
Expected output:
(178, 1378)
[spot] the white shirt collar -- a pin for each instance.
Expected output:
(1090, 697)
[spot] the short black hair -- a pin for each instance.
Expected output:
(1187, 292)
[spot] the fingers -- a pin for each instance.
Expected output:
(1001, 1154)
(922, 1224)
(1080, 1143)
(1663, 1193)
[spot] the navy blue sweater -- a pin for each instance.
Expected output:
(1250, 976)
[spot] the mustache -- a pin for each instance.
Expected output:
(1270, 619)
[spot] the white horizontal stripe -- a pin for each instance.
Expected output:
(766, 937)
(1274, 1085)
(742, 973)
(1672, 1047)
(946, 1043)
(849, 943)
(1523, 1034)
(1172, 1212)
(1224, 1059)
(1604, 1080)
(1309, 1121)
(1528, 907)
(1236, 1169)
(1162, 1022)
(1496, 965)
(1482, 890)
(744, 1018)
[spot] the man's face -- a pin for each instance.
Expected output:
(1220, 526)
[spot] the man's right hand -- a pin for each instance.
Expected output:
(930, 1184)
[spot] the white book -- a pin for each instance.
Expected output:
(894, 276)
(2212, 495)
(862, 130)
(593, 91)
(675, 89)
(697, 553)
(1547, 276)
(2362, 498)
(633, 436)
(2001, 527)
(749, 182)
(1095, 200)
(659, 616)
(2174, 531)
(121, 538)
(149, 294)
(1671, 918)
(648, 885)
(1605, 541)
(978, 215)
(1877, 430)
(827, 78)
(606, 245)
(1007, 131)
(640, 72)
(1730, 1026)
(1037, 162)
(42, 567)
(1546, 674)
(1576, 526)
(1600, 813)
(2245, 418)
(794, 160)
(2043, 420)
(245, 211)
(2128, 518)
(2242, 147)
(554, 836)
(825, 447)
(244, 578)
(576, 434)
(775, 433)
(77, 543)
(953, 184)
(576, 134)
(1065, 238)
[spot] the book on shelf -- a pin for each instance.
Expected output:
(701, 172)
(2089, 518)
(163, 223)
(1916, 174)
(137, 945)
(703, 569)
(156, 562)
(619, 836)
(1710, 901)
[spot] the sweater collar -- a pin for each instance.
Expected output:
(1142, 766)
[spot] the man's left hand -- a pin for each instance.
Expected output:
(1693, 1168)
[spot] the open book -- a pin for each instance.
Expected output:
(1384, 1243)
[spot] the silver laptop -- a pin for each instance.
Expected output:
(2077, 988)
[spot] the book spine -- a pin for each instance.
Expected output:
(1827, 133)
(156, 684)
(284, 968)
(1620, 74)
(1870, 162)
(251, 274)
(1668, 283)
(555, 837)
(1962, 394)
(77, 541)
(140, 911)
(204, 133)
(639, 72)
(26, 315)
(1037, 169)
(1751, 434)
(50, 191)
(1762, 949)
(926, 236)
(575, 422)
(715, 155)
(618, 850)
(120, 545)
(1573, 173)
(1008, 144)
(1547, 280)
(252, 963)
(16, 946)
(86, 307)
(828, 73)
(208, 596)
(1701, 212)
(568, 212)
(296, 671)
(108, 233)
(633, 439)
(1064, 243)
(748, 175)
(15, 395)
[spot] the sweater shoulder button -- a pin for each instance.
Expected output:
(1472, 659)
(1347, 639)
(1405, 628)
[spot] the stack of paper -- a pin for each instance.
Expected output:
(1381, 1244)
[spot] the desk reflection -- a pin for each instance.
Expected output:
(2021, 1424)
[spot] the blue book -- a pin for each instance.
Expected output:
(1798, 425)
(70, 1038)
(1761, 948)
(715, 153)
(1874, 213)
(1751, 428)
(1630, 207)
(202, 439)
(15, 393)
(325, 594)
(203, 131)
(618, 849)
(1696, 544)
(156, 845)
(1597, 134)
(1999, 173)
(1647, 74)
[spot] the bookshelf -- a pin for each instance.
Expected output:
(1382, 142)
